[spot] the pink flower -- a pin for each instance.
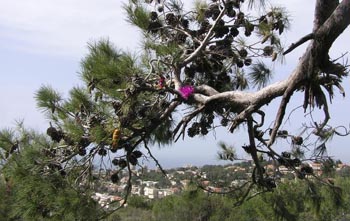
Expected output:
(186, 91)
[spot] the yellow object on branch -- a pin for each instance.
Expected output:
(115, 138)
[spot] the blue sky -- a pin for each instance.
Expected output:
(42, 42)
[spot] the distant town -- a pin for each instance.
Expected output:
(153, 184)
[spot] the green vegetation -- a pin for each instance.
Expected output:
(33, 187)
(291, 201)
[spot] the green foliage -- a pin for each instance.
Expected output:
(5, 200)
(139, 202)
(344, 172)
(79, 101)
(73, 129)
(36, 188)
(172, 48)
(47, 98)
(137, 14)
(191, 205)
(227, 152)
(162, 135)
(7, 143)
(200, 6)
(260, 75)
(288, 202)
(43, 195)
(328, 167)
(107, 68)
(131, 214)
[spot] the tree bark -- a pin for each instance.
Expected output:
(323, 10)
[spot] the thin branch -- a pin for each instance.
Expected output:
(252, 147)
(155, 160)
(299, 42)
(347, 132)
(128, 191)
(280, 114)
(320, 127)
(341, 56)
(291, 112)
(185, 120)
(182, 31)
(262, 114)
(170, 109)
(256, 194)
(151, 69)
(240, 202)
(241, 117)
(204, 42)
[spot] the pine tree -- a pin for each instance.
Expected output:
(205, 59)
(36, 187)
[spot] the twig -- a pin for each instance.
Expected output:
(185, 120)
(341, 56)
(205, 40)
(298, 43)
(280, 114)
(155, 160)
(241, 117)
(128, 191)
(170, 109)
(252, 147)
(325, 121)
(262, 114)
(347, 132)
(239, 202)
(291, 112)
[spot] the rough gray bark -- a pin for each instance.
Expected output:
(323, 10)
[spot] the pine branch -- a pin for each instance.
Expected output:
(205, 41)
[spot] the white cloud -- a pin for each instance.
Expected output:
(63, 26)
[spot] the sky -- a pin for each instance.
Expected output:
(42, 43)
